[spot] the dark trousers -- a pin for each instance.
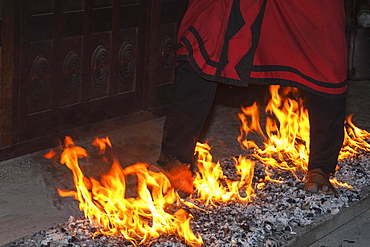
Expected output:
(193, 100)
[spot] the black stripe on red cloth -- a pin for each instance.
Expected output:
(203, 51)
(235, 23)
(244, 67)
(266, 68)
(285, 82)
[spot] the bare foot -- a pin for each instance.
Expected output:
(180, 176)
(318, 182)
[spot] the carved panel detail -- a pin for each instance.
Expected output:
(126, 60)
(40, 76)
(167, 53)
(100, 66)
(89, 61)
(72, 70)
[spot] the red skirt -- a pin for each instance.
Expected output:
(295, 43)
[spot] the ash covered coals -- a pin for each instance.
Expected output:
(78, 232)
(279, 213)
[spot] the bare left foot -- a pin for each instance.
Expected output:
(318, 182)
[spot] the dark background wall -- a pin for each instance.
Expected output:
(68, 66)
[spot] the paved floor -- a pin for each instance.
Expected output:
(355, 233)
(29, 201)
(28, 198)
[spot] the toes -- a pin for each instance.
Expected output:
(325, 188)
(312, 187)
(318, 182)
(328, 189)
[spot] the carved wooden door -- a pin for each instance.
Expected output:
(87, 61)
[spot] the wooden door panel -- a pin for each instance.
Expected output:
(130, 15)
(166, 64)
(102, 3)
(130, 1)
(127, 57)
(167, 50)
(99, 81)
(171, 12)
(73, 23)
(41, 6)
(40, 27)
(73, 5)
(102, 20)
(72, 80)
(79, 62)
(38, 90)
(90, 57)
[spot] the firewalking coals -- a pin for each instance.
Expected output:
(278, 213)
(257, 200)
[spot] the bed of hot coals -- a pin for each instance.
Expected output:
(279, 213)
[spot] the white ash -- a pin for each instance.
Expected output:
(278, 214)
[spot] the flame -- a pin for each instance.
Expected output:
(157, 209)
(336, 183)
(102, 144)
(209, 179)
(49, 155)
(144, 217)
(288, 130)
(354, 140)
(138, 219)
(252, 126)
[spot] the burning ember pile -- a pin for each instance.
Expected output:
(238, 201)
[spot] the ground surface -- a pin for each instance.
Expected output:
(29, 201)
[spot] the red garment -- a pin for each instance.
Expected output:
(296, 43)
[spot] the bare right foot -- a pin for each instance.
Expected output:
(318, 182)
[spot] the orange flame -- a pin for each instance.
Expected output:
(102, 144)
(208, 179)
(138, 219)
(246, 127)
(354, 140)
(156, 208)
(336, 183)
(288, 130)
